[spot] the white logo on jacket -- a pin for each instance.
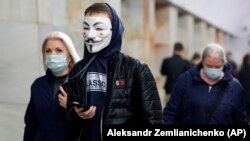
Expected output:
(96, 82)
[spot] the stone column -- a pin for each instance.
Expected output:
(166, 28)
(220, 37)
(210, 34)
(200, 35)
(186, 32)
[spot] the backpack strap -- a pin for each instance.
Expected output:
(216, 103)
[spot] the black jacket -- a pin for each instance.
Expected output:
(173, 67)
(132, 97)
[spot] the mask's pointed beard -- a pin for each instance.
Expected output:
(90, 48)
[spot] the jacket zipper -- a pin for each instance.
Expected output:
(86, 94)
(209, 89)
(79, 139)
(101, 125)
(86, 103)
(104, 101)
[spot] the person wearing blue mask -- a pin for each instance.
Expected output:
(45, 118)
(108, 87)
(207, 93)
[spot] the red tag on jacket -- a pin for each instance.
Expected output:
(120, 83)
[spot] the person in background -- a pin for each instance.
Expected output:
(196, 58)
(108, 87)
(172, 67)
(207, 93)
(232, 63)
(45, 117)
(244, 78)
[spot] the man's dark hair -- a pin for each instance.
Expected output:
(99, 8)
(196, 55)
(246, 60)
(178, 46)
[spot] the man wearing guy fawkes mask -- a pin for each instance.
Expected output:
(110, 87)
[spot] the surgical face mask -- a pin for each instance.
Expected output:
(97, 33)
(56, 63)
(213, 73)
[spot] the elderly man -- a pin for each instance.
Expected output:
(207, 93)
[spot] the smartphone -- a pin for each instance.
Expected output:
(85, 108)
(77, 105)
(64, 86)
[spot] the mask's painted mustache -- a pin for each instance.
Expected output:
(91, 40)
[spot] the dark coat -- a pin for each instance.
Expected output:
(45, 119)
(244, 78)
(173, 67)
(192, 98)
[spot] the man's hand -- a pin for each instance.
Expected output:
(85, 114)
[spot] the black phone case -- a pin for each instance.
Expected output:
(64, 86)
(85, 108)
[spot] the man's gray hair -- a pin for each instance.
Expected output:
(214, 49)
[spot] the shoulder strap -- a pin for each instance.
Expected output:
(216, 103)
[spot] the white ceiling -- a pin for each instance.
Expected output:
(229, 15)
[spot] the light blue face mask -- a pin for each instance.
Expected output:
(213, 73)
(56, 63)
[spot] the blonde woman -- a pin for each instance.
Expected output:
(45, 115)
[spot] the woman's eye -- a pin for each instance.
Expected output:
(47, 51)
(59, 50)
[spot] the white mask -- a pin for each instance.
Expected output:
(97, 33)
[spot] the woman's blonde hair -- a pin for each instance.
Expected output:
(65, 39)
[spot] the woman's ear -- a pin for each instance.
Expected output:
(70, 61)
